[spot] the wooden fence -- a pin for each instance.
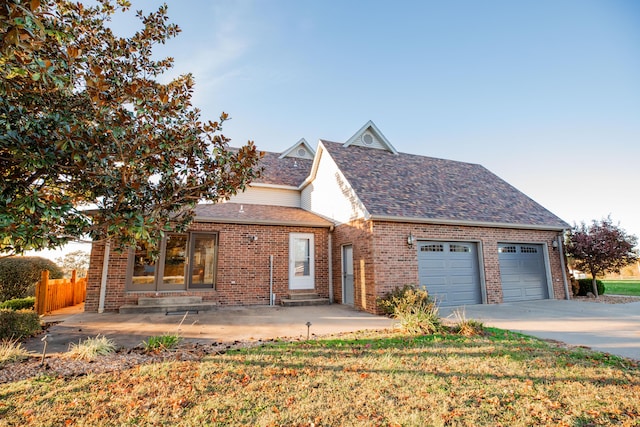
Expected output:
(59, 293)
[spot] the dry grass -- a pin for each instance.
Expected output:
(11, 351)
(91, 348)
(364, 379)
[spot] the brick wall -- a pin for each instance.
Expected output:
(243, 267)
(383, 261)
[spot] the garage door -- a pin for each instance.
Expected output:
(522, 272)
(449, 272)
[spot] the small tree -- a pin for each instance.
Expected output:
(76, 260)
(601, 247)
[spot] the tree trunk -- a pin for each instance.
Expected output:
(595, 285)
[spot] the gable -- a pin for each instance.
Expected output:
(369, 136)
(299, 150)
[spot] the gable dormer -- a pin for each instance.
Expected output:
(370, 136)
(299, 150)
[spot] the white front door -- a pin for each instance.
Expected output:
(301, 261)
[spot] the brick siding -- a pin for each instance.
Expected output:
(242, 273)
(384, 261)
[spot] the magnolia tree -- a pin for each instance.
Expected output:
(86, 124)
(601, 247)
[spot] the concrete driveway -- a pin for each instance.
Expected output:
(611, 328)
(224, 324)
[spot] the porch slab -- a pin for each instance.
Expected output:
(222, 324)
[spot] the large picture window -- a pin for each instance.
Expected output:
(186, 261)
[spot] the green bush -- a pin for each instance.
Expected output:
(19, 303)
(161, 342)
(414, 309)
(18, 275)
(586, 285)
(17, 324)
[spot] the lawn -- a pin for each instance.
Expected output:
(380, 378)
(622, 287)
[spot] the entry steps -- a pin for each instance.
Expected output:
(167, 305)
(303, 299)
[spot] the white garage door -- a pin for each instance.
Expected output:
(522, 272)
(449, 272)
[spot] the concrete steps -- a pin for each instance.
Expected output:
(167, 305)
(303, 299)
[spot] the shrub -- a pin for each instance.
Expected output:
(18, 275)
(91, 348)
(161, 342)
(17, 324)
(19, 303)
(414, 309)
(586, 285)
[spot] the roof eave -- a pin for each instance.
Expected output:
(443, 221)
(250, 221)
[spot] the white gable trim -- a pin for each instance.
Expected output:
(292, 151)
(371, 128)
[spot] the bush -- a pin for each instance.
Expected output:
(19, 303)
(91, 348)
(415, 310)
(18, 275)
(586, 285)
(12, 350)
(17, 324)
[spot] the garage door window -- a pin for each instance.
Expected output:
(529, 250)
(459, 248)
(507, 250)
(432, 248)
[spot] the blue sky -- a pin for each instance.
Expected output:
(546, 94)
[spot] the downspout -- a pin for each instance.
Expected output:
(564, 269)
(272, 299)
(103, 281)
(330, 260)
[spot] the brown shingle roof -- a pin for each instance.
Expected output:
(258, 214)
(287, 171)
(418, 187)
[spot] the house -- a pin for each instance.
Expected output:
(348, 223)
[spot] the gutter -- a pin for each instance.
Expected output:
(443, 221)
(103, 279)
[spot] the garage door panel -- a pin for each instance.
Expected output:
(450, 275)
(522, 272)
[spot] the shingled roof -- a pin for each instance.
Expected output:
(417, 187)
(288, 171)
(236, 213)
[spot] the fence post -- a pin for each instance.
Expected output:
(41, 292)
(74, 278)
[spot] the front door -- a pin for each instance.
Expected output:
(301, 261)
(347, 275)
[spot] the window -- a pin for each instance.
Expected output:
(185, 261)
(432, 248)
(528, 250)
(459, 248)
(507, 249)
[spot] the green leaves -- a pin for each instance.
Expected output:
(87, 125)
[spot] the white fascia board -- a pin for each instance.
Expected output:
(280, 187)
(466, 223)
(314, 166)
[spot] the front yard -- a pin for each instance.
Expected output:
(373, 378)
(622, 287)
